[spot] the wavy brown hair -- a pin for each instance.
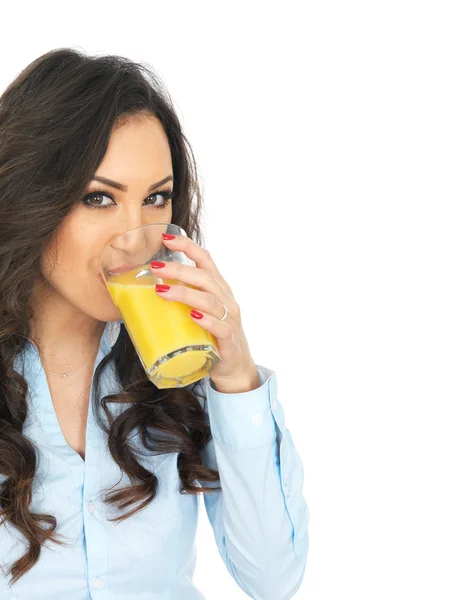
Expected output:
(56, 119)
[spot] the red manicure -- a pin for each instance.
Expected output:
(160, 287)
(168, 236)
(196, 314)
(155, 264)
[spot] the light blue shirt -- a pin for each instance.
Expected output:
(259, 518)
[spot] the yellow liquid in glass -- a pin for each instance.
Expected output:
(159, 327)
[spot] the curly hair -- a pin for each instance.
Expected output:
(56, 119)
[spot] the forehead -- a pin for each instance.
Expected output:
(138, 149)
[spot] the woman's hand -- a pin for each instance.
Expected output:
(236, 372)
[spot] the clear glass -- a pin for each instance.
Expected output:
(173, 349)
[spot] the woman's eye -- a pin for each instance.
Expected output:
(94, 199)
(91, 200)
(165, 195)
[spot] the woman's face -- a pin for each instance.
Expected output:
(138, 156)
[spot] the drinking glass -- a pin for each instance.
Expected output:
(173, 349)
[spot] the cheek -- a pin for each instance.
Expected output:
(70, 265)
(74, 248)
(65, 258)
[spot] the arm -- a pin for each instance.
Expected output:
(260, 517)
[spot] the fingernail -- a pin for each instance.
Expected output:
(168, 236)
(196, 314)
(155, 264)
(161, 287)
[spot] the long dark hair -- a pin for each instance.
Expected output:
(56, 119)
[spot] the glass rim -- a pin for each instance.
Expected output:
(108, 245)
(140, 227)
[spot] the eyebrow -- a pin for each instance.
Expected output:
(124, 188)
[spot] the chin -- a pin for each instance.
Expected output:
(106, 315)
(102, 309)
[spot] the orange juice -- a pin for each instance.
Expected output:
(173, 349)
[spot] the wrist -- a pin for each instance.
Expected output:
(246, 382)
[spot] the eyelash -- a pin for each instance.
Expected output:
(166, 194)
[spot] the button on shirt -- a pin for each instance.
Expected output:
(259, 517)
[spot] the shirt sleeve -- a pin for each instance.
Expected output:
(259, 517)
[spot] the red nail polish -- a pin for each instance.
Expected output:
(167, 236)
(161, 287)
(196, 314)
(155, 264)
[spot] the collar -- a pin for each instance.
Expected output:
(110, 334)
(108, 339)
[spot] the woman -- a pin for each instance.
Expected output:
(100, 471)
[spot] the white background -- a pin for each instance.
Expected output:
(320, 129)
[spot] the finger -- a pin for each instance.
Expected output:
(195, 276)
(222, 330)
(201, 257)
(197, 299)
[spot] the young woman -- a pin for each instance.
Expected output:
(100, 471)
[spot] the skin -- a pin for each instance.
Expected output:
(73, 304)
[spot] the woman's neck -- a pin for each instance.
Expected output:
(64, 336)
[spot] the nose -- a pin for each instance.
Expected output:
(132, 217)
(137, 244)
